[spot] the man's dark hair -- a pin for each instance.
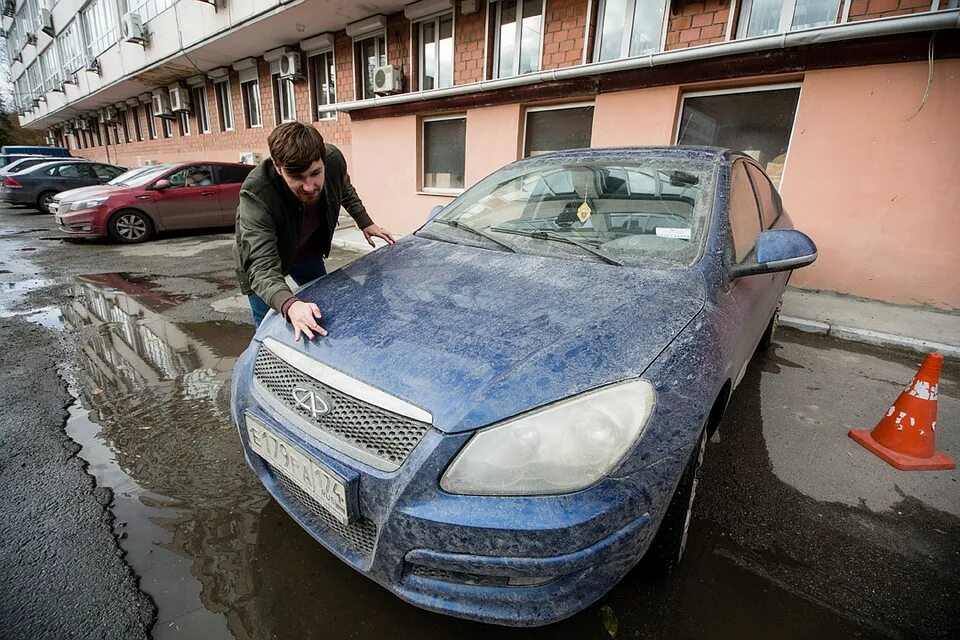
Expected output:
(295, 146)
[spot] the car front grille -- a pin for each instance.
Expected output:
(359, 536)
(386, 436)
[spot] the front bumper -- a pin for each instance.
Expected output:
(86, 223)
(520, 561)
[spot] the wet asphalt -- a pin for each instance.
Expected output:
(128, 510)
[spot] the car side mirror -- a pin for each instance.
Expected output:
(435, 211)
(777, 250)
(160, 185)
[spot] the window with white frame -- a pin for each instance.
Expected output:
(35, 79)
(70, 42)
(50, 68)
(200, 109)
(184, 118)
(758, 121)
(22, 27)
(167, 124)
(444, 143)
(125, 125)
(149, 9)
(324, 78)
(518, 37)
(284, 100)
(764, 17)
(250, 95)
(99, 26)
(135, 114)
(151, 121)
(556, 128)
(435, 51)
(369, 53)
(224, 97)
(629, 28)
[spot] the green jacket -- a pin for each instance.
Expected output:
(268, 224)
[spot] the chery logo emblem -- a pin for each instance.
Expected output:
(313, 402)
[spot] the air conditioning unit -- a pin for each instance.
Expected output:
(45, 21)
(179, 99)
(92, 64)
(250, 157)
(290, 65)
(32, 39)
(161, 104)
(71, 79)
(387, 79)
(60, 87)
(131, 28)
(83, 124)
(108, 115)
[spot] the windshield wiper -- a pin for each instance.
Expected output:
(548, 235)
(483, 234)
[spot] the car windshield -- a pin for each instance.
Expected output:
(139, 176)
(630, 211)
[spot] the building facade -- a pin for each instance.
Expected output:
(850, 105)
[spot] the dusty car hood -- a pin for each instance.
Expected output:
(72, 195)
(475, 336)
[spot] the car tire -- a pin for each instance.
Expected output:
(130, 226)
(769, 333)
(44, 200)
(666, 550)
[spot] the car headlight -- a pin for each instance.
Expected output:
(564, 447)
(87, 204)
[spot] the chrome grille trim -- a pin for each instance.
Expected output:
(368, 433)
(360, 536)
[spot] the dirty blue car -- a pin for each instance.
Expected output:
(512, 404)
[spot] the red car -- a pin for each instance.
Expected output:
(138, 204)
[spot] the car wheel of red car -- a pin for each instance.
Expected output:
(130, 226)
(668, 544)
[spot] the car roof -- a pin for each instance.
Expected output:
(47, 165)
(673, 152)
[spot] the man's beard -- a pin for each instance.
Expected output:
(308, 198)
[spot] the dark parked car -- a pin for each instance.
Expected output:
(7, 158)
(192, 195)
(36, 186)
(513, 402)
(22, 164)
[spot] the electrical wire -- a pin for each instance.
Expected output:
(926, 94)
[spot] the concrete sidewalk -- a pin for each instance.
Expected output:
(844, 317)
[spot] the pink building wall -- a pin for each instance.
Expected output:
(878, 191)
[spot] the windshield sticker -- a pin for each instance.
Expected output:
(677, 234)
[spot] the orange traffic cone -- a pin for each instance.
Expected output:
(906, 436)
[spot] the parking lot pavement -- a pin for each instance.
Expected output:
(797, 531)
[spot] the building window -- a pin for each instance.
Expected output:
(71, 47)
(99, 26)
(763, 17)
(284, 100)
(224, 104)
(517, 50)
(200, 108)
(324, 71)
(629, 28)
(126, 127)
(50, 68)
(435, 51)
(151, 122)
(250, 93)
(167, 127)
(557, 128)
(444, 143)
(184, 119)
(35, 78)
(369, 54)
(135, 111)
(757, 121)
(149, 9)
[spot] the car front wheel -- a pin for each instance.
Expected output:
(130, 226)
(668, 544)
(43, 202)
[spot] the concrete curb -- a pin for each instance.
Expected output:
(867, 336)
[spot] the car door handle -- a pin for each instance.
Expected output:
(207, 193)
(143, 197)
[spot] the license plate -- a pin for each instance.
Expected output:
(320, 483)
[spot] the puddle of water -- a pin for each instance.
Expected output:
(50, 317)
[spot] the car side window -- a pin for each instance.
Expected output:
(52, 171)
(766, 194)
(74, 170)
(196, 176)
(233, 175)
(106, 172)
(744, 213)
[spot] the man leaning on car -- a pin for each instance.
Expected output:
(289, 207)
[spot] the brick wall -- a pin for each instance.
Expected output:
(696, 23)
(564, 25)
(867, 9)
(468, 62)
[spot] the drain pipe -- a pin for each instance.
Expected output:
(934, 21)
